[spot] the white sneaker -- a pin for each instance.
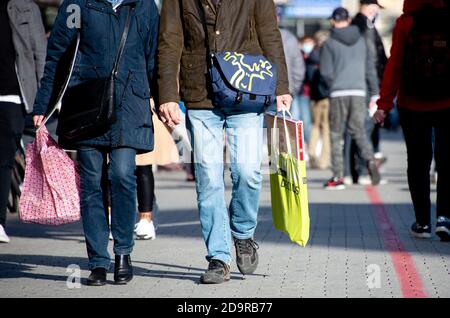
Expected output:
(145, 230)
(378, 155)
(348, 181)
(364, 180)
(3, 237)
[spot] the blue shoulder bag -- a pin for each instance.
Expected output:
(243, 81)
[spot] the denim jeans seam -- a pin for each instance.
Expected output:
(125, 251)
(99, 264)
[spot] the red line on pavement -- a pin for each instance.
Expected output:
(410, 281)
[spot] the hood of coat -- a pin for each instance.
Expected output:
(348, 36)
(411, 6)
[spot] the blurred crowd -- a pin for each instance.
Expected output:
(312, 71)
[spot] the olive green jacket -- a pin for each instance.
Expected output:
(244, 26)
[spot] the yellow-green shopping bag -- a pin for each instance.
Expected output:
(288, 183)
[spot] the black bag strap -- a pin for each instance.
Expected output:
(123, 41)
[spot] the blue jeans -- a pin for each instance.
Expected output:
(94, 210)
(244, 137)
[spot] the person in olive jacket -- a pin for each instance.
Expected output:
(102, 25)
(243, 26)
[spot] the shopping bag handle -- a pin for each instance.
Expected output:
(46, 119)
(286, 132)
(286, 111)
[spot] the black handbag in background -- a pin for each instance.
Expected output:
(89, 109)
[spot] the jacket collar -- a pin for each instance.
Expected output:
(124, 2)
(14, 9)
(107, 7)
(130, 1)
(18, 4)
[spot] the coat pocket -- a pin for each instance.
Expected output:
(140, 102)
(139, 85)
(140, 91)
(193, 79)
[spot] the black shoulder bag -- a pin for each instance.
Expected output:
(88, 109)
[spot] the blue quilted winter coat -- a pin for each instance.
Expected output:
(101, 31)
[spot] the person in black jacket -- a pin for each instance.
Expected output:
(365, 21)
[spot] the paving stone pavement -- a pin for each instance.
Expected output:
(348, 246)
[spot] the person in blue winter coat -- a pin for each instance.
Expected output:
(101, 25)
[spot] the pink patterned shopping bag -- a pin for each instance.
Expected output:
(51, 190)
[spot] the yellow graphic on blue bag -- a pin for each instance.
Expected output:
(250, 73)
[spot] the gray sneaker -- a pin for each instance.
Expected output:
(218, 272)
(443, 228)
(374, 172)
(246, 255)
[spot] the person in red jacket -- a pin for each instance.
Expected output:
(417, 74)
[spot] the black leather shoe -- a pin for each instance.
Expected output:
(123, 270)
(97, 277)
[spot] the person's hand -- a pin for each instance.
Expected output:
(373, 104)
(379, 117)
(373, 107)
(284, 102)
(37, 120)
(170, 113)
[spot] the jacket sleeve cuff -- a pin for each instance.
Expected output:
(38, 110)
(374, 98)
(283, 91)
(385, 106)
(168, 99)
